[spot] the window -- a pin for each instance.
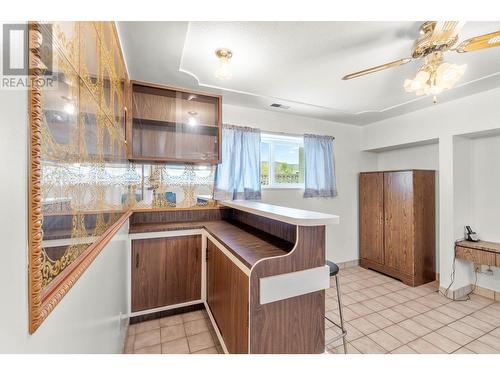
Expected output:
(282, 161)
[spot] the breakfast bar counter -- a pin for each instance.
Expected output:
(259, 270)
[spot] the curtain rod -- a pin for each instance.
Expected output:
(290, 134)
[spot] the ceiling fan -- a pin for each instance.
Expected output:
(436, 75)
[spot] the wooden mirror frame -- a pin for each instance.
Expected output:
(41, 303)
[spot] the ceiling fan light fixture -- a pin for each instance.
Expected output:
(223, 71)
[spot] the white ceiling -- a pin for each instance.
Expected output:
(300, 64)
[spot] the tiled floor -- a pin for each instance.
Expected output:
(383, 316)
(189, 333)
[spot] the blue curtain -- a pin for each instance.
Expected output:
(238, 176)
(319, 166)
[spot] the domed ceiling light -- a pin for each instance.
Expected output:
(224, 55)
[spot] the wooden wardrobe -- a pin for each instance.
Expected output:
(397, 224)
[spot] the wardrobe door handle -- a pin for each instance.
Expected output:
(137, 260)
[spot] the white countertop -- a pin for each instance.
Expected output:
(288, 215)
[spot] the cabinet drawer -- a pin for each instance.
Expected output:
(475, 256)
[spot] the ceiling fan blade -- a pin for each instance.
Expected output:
(446, 29)
(377, 68)
(480, 42)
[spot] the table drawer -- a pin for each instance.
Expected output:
(476, 256)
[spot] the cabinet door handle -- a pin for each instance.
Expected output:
(137, 260)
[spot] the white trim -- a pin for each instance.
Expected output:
(293, 284)
(229, 254)
(216, 328)
(167, 233)
(165, 308)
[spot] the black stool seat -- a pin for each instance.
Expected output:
(334, 269)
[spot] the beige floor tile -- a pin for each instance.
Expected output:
(372, 304)
(212, 350)
(418, 307)
(347, 301)
(463, 351)
(147, 338)
(463, 306)
(358, 296)
(171, 333)
(477, 323)
(496, 332)
(438, 316)
(200, 341)
(197, 326)
(490, 340)
(364, 326)
(348, 314)
(370, 293)
(385, 340)
(428, 322)
(360, 309)
(405, 349)
(193, 315)
(147, 326)
(392, 315)
(153, 349)
(399, 298)
(428, 302)
(179, 346)
(378, 320)
(352, 332)
(171, 320)
(455, 314)
(490, 318)
(400, 333)
(424, 347)
(454, 335)
(466, 329)
(441, 342)
(414, 327)
(386, 301)
(366, 345)
(404, 310)
(481, 348)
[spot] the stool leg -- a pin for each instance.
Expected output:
(337, 283)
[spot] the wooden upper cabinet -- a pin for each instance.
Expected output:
(371, 214)
(174, 125)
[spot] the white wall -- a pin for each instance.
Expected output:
(485, 197)
(88, 318)
(476, 114)
(342, 239)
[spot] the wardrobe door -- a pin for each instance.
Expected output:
(371, 216)
(399, 230)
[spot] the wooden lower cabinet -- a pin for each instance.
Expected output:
(227, 297)
(165, 271)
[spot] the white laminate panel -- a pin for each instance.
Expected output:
(166, 233)
(288, 285)
(288, 215)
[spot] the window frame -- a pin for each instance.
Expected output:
(271, 139)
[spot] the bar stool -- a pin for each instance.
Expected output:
(334, 271)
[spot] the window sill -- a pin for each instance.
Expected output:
(282, 187)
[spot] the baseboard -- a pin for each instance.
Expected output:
(348, 264)
(488, 293)
(457, 293)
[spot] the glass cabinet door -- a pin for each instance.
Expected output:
(172, 125)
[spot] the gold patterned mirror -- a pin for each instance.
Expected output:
(81, 185)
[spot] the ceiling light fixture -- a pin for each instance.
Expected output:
(435, 76)
(192, 121)
(223, 71)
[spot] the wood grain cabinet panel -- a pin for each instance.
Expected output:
(165, 271)
(403, 243)
(398, 214)
(227, 297)
(371, 213)
(477, 257)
